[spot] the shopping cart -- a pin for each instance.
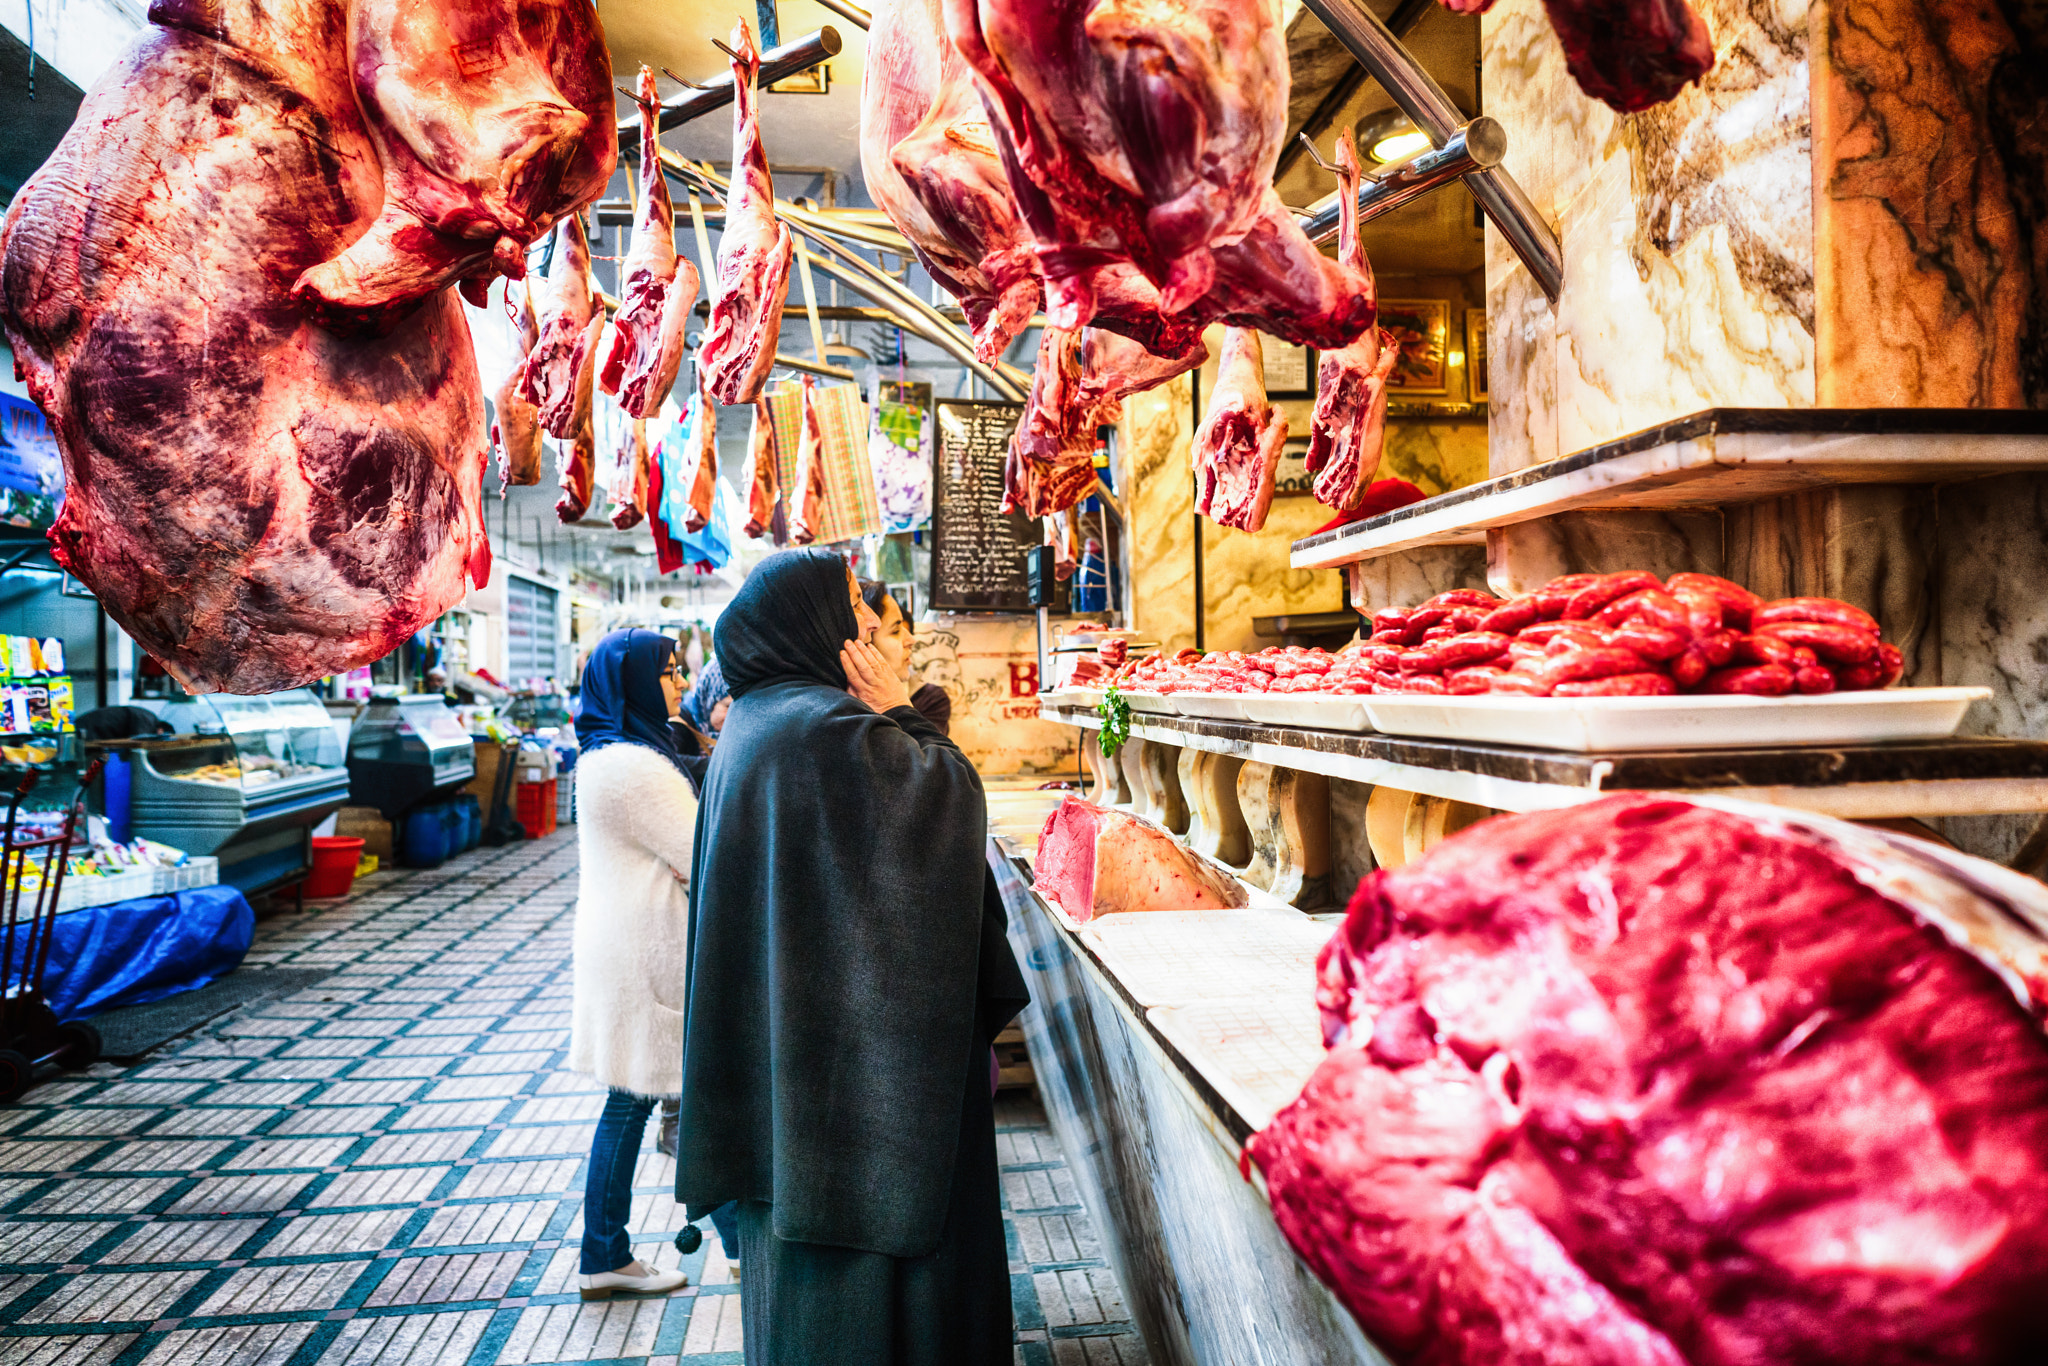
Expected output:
(33, 857)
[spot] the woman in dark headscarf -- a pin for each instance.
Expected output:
(848, 972)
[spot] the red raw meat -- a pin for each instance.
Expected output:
(576, 459)
(560, 370)
(764, 485)
(1686, 1084)
(754, 252)
(1094, 861)
(516, 433)
(806, 511)
(493, 119)
(1078, 385)
(1140, 138)
(931, 164)
(629, 478)
(258, 501)
(699, 465)
(1237, 447)
(659, 291)
(1349, 427)
(1632, 54)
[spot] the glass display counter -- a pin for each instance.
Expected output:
(408, 750)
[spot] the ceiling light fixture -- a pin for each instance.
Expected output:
(1388, 136)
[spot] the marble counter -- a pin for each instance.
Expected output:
(1153, 1082)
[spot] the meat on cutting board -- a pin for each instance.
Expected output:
(629, 477)
(930, 163)
(516, 433)
(1237, 447)
(258, 501)
(1095, 861)
(764, 486)
(806, 508)
(492, 119)
(660, 286)
(754, 254)
(1145, 135)
(1348, 430)
(1680, 1084)
(559, 373)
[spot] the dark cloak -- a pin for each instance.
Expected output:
(848, 967)
(622, 697)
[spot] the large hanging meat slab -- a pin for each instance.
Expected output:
(258, 499)
(754, 253)
(1680, 1084)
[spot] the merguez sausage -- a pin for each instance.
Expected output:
(1572, 665)
(1619, 685)
(1834, 643)
(1761, 680)
(1593, 597)
(1828, 611)
(1737, 602)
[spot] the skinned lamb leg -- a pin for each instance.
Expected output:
(1349, 426)
(558, 371)
(660, 286)
(698, 469)
(754, 254)
(516, 433)
(1078, 386)
(807, 492)
(492, 118)
(764, 488)
(1237, 447)
(629, 478)
(578, 454)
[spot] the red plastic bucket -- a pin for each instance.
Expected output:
(334, 866)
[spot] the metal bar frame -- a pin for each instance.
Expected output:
(791, 59)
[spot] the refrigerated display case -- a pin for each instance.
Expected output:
(244, 779)
(407, 750)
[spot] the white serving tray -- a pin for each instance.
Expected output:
(1610, 724)
(1216, 706)
(1152, 703)
(1061, 697)
(1322, 711)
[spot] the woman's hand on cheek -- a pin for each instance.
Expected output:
(869, 678)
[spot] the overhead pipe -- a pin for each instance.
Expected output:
(809, 367)
(1431, 111)
(791, 59)
(851, 13)
(1400, 23)
(853, 225)
(1478, 146)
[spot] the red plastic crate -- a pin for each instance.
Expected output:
(537, 808)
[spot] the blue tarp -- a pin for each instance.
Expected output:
(130, 952)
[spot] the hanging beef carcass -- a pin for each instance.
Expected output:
(930, 163)
(754, 253)
(1348, 429)
(516, 432)
(660, 287)
(491, 118)
(1237, 447)
(1675, 1083)
(1138, 134)
(1078, 386)
(806, 507)
(628, 486)
(258, 500)
(560, 370)
(764, 487)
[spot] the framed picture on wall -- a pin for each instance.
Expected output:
(1290, 370)
(1421, 330)
(1475, 354)
(1291, 478)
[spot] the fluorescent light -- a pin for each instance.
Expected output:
(1396, 145)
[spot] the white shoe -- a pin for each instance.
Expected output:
(604, 1284)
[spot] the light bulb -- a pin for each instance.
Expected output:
(1397, 145)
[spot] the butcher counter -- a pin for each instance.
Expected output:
(1161, 1042)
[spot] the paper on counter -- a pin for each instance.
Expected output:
(1257, 1052)
(1167, 958)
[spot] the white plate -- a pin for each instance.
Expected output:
(1216, 706)
(1156, 704)
(1612, 724)
(1323, 711)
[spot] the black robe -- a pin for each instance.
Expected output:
(848, 967)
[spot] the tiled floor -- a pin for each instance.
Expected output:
(388, 1168)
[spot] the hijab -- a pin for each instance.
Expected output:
(710, 690)
(787, 623)
(622, 698)
(848, 959)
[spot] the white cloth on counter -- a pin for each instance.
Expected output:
(635, 821)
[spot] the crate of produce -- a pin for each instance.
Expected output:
(536, 808)
(565, 799)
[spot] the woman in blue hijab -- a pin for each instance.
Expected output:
(636, 813)
(706, 706)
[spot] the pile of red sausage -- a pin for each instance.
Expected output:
(1583, 635)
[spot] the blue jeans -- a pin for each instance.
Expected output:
(608, 1187)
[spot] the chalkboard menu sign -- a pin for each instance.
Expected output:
(977, 551)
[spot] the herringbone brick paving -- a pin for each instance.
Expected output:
(387, 1168)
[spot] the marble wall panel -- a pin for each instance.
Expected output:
(1408, 576)
(1523, 556)
(1350, 852)
(1152, 448)
(1931, 203)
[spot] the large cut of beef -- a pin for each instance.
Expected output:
(660, 287)
(1096, 861)
(1078, 385)
(259, 501)
(1142, 137)
(1348, 429)
(560, 369)
(1674, 1083)
(754, 253)
(1237, 447)
(931, 164)
(491, 118)
(516, 430)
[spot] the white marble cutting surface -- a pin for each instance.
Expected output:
(1166, 958)
(1258, 1052)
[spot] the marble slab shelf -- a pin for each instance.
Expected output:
(1862, 782)
(1722, 455)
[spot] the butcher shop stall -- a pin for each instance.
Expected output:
(1487, 552)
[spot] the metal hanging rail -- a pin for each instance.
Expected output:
(1478, 146)
(850, 12)
(1426, 105)
(791, 59)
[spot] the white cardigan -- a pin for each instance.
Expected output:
(635, 821)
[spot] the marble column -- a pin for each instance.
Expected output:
(1216, 827)
(1160, 766)
(1288, 814)
(1152, 452)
